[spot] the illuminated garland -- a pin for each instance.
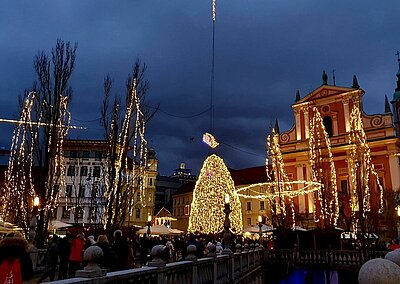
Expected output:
(208, 202)
(134, 179)
(17, 194)
(361, 167)
(319, 144)
(280, 176)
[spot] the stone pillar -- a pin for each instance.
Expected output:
(306, 123)
(302, 197)
(298, 124)
(310, 196)
(345, 102)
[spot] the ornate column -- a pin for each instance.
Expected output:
(298, 123)
(306, 122)
(302, 197)
(310, 196)
(345, 102)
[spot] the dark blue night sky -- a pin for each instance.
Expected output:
(264, 51)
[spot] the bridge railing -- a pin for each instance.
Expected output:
(234, 268)
(331, 258)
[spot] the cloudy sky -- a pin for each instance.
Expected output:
(264, 51)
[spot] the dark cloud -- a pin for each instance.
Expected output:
(264, 52)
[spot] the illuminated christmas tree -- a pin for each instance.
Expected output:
(212, 186)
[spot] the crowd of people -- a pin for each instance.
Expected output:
(64, 255)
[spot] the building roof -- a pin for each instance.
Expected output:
(249, 175)
(185, 188)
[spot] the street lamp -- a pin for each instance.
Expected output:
(227, 224)
(260, 226)
(148, 225)
(33, 223)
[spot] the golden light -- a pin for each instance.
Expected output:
(227, 199)
(36, 201)
(398, 211)
(149, 218)
(259, 219)
(209, 197)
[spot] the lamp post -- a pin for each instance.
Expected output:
(260, 231)
(33, 223)
(148, 225)
(227, 224)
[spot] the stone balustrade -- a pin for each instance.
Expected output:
(338, 259)
(233, 268)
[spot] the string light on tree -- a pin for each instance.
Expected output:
(321, 157)
(213, 188)
(361, 167)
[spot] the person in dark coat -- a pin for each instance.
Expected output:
(15, 263)
(64, 249)
(144, 249)
(51, 260)
(110, 260)
(121, 248)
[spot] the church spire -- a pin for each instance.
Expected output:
(297, 95)
(355, 82)
(276, 127)
(387, 105)
(398, 77)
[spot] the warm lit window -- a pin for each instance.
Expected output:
(248, 221)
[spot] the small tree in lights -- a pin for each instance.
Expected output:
(214, 182)
(126, 164)
(48, 124)
(324, 172)
(362, 174)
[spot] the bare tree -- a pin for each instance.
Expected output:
(51, 108)
(127, 145)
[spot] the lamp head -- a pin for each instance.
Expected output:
(36, 201)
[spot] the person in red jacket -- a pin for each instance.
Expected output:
(15, 263)
(76, 256)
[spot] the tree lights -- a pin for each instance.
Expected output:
(209, 196)
(323, 171)
(361, 168)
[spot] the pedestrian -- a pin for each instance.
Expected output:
(64, 251)
(143, 250)
(51, 260)
(120, 247)
(218, 248)
(15, 263)
(110, 259)
(76, 255)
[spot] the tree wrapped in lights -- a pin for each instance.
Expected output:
(48, 109)
(324, 172)
(281, 181)
(361, 169)
(18, 191)
(126, 164)
(207, 209)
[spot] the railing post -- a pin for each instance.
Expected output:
(157, 261)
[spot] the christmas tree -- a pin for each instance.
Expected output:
(212, 186)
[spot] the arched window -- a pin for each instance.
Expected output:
(328, 125)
